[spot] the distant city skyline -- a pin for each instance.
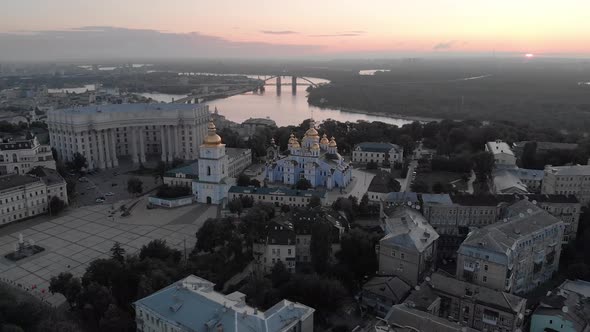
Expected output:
(329, 28)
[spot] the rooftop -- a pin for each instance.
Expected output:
(47, 175)
(236, 152)
(507, 182)
(406, 316)
(497, 147)
(438, 199)
(522, 218)
(381, 182)
(570, 302)
(377, 147)
(406, 227)
(16, 180)
(190, 168)
(401, 197)
(568, 170)
(124, 108)
(392, 288)
(192, 304)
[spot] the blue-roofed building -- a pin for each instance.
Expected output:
(315, 159)
(277, 196)
(408, 249)
(191, 305)
(378, 152)
(403, 197)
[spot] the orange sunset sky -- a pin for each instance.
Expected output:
(330, 26)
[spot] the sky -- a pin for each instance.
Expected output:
(205, 28)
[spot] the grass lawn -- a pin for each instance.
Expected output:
(430, 178)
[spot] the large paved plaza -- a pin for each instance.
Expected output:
(80, 235)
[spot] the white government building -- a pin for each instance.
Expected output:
(103, 133)
(22, 155)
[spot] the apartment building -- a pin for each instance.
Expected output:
(568, 180)
(566, 308)
(276, 245)
(304, 221)
(191, 304)
(461, 304)
(408, 249)
(514, 255)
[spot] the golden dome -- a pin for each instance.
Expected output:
(311, 132)
(295, 144)
(332, 142)
(315, 146)
(324, 140)
(291, 138)
(212, 138)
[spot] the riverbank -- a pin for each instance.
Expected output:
(422, 119)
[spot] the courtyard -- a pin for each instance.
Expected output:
(81, 235)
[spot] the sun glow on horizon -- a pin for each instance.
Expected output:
(529, 55)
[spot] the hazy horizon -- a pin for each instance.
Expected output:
(76, 30)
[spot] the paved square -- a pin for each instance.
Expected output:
(80, 235)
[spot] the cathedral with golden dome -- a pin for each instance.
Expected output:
(313, 158)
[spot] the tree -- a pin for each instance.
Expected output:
(68, 286)
(419, 186)
(315, 201)
(160, 170)
(243, 180)
(303, 184)
(214, 233)
(159, 249)
(372, 165)
(134, 186)
(279, 274)
(529, 157)
(235, 206)
(438, 188)
(357, 253)
(364, 205)
(285, 208)
(116, 320)
(78, 162)
(255, 183)
(483, 163)
(56, 205)
(578, 271)
(118, 253)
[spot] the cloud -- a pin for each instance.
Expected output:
(279, 32)
(444, 45)
(105, 42)
(341, 34)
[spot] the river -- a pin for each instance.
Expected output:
(285, 108)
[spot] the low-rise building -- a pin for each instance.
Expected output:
(382, 184)
(238, 160)
(276, 245)
(506, 182)
(378, 152)
(568, 180)
(191, 304)
(565, 309)
(305, 219)
(20, 156)
(379, 294)
(277, 196)
(514, 255)
(462, 304)
(405, 318)
(25, 196)
(182, 176)
(503, 154)
(408, 249)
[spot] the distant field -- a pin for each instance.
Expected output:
(541, 93)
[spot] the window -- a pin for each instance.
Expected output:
(485, 279)
(485, 267)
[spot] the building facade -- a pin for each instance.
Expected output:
(315, 159)
(277, 245)
(103, 133)
(379, 294)
(378, 152)
(25, 196)
(277, 196)
(191, 304)
(565, 309)
(408, 249)
(20, 156)
(568, 180)
(514, 255)
(213, 181)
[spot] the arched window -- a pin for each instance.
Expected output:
(208, 170)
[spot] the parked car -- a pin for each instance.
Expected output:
(83, 179)
(90, 187)
(99, 200)
(110, 193)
